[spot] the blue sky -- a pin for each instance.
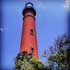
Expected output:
(50, 23)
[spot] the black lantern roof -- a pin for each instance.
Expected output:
(29, 6)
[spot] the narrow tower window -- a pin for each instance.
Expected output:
(32, 50)
(31, 32)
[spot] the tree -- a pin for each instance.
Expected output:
(61, 53)
(25, 61)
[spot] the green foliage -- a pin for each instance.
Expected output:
(29, 63)
(62, 56)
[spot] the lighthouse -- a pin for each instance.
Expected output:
(29, 38)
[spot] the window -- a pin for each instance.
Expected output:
(31, 32)
(32, 49)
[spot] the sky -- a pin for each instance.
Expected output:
(50, 24)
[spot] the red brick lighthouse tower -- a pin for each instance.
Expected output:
(29, 39)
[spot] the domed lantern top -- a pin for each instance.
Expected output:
(29, 5)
